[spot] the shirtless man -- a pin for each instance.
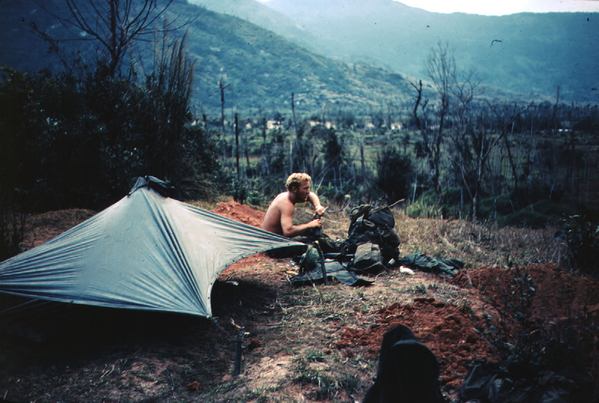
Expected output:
(279, 216)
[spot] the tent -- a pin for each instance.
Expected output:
(145, 252)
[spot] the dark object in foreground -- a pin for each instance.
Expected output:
(489, 382)
(408, 371)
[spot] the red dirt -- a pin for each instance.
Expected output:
(446, 330)
(557, 294)
(240, 212)
(43, 227)
(560, 299)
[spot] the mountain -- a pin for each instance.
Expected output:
(263, 16)
(526, 52)
(263, 69)
(259, 68)
(522, 53)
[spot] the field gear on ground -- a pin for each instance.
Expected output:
(443, 267)
(332, 269)
(372, 246)
(315, 268)
(374, 225)
(368, 258)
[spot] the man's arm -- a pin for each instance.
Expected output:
(315, 201)
(290, 230)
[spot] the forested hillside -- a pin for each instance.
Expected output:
(531, 53)
(259, 68)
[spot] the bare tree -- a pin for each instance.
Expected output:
(417, 103)
(115, 24)
(170, 90)
(465, 90)
(469, 139)
(441, 70)
(473, 149)
(222, 87)
(461, 121)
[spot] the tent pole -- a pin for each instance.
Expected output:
(322, 262)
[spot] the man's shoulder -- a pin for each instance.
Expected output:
(282, 198)
(282, 202)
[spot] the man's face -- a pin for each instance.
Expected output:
(302, 192)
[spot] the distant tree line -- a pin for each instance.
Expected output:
(509, 154)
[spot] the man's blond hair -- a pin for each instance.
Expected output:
(296, 179)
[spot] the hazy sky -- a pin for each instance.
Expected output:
(503, 7)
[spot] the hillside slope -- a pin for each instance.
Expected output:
(263, 69)
(263, 16)
(258, 68)
(535, 53)
(316, 342)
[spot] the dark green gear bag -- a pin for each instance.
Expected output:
(368, 258)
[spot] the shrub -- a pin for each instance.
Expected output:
(86, 137)
(552, 209)
(394, 173)
(525, 217)
(425, 207)
(496, 206)
(582, 237)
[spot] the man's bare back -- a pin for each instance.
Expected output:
(272, 219)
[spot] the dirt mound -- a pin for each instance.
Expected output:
(563, 293)
(446, 330)
(534, 305)
(41, 228)
(549, 292)
(240, 212)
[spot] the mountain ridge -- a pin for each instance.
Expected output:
(537, 52)
(259, 68)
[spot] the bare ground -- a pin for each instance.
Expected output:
(314, 343)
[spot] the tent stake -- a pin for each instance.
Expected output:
(238, 351)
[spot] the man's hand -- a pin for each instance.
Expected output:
(319, 210)
(315, 223)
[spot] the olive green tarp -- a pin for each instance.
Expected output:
(146, 252)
